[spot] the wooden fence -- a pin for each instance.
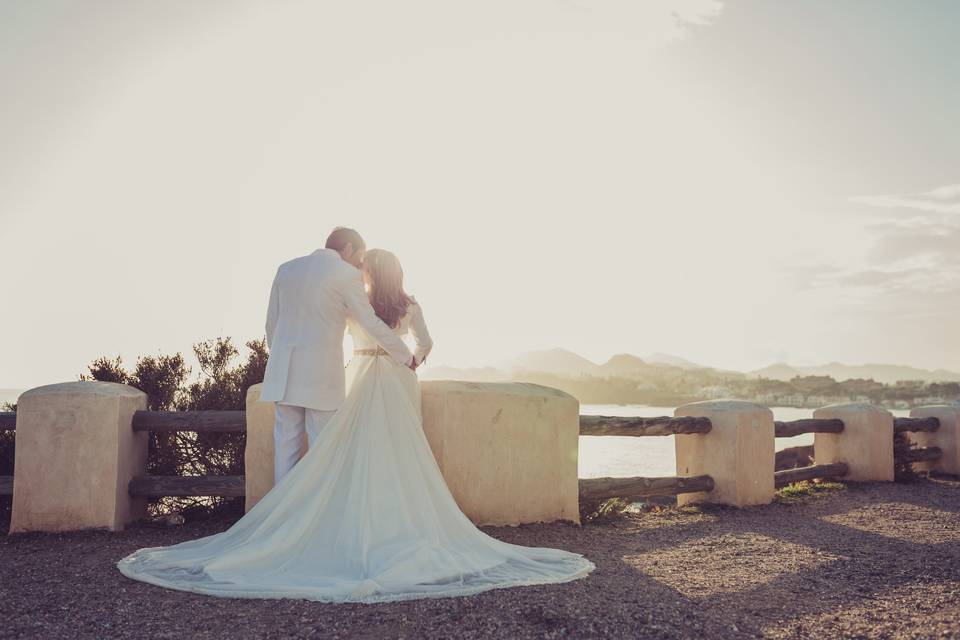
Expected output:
(591, 489)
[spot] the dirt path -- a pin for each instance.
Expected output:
(873, 561)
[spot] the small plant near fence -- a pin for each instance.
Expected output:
(604, 511)
(801, 491)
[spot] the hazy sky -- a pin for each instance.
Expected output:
(735, 183)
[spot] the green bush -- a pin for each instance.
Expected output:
(221, 385)
(903, 471)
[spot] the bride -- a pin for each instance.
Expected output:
(365, 516)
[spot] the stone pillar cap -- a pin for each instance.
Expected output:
(723, 405)
(507, 388)
(85, 387)
(854, 406)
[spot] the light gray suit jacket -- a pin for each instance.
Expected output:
(310, 301)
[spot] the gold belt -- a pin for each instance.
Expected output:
(379, 351)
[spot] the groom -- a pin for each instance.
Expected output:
(310, 301)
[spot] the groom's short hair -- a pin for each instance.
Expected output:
(340, 237)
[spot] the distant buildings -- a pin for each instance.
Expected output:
(822, 401)
(819, 391)
(715, 392)
(780, 399)
(911, 384)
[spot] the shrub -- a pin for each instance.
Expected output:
(903, 471)
(221, 385)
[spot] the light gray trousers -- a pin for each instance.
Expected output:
(288, 431)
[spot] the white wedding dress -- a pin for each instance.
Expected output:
(364, 516)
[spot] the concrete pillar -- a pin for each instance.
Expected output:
(76, 453)
(738, 453)
(508, 451)
(258, 454)
(947, 437)
(865, 444)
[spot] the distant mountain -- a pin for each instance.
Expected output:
(886, 373)
(556, 361)
(778, 371)
(673, 361)
(564, 363)
(622, 364)
(480, 374)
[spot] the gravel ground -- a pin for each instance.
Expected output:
(876, 560)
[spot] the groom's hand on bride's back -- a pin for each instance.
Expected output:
(413, 364)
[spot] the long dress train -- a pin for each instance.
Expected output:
(364, 516)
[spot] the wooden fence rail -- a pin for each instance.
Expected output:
(199, 421)
(227, 421)
(662, 426)
(792, 428)
(187, 486)
(928, 424)
(921, 454)
(789, 476)
(593, 489)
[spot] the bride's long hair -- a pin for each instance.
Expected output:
(385, 282)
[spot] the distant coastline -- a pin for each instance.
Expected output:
(666, 380)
